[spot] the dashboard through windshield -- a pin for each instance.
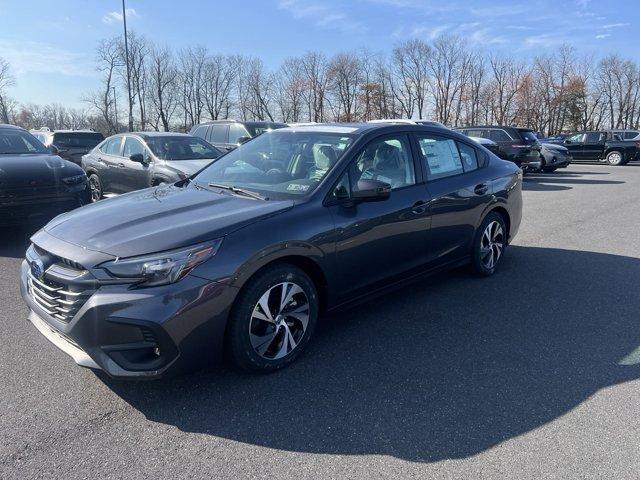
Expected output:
(284, 163)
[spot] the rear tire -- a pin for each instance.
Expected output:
(96, 187)
(489, 245)
(615, 158)
(273, 319)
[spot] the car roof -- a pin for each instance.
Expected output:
(11, 127)
(158, 134)
(362, 128)
(245, 122)
(487, 126)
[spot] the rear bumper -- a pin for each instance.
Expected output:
(141, 333)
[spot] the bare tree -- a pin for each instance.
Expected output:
(163, 86)
(345, 72)
(411, 69)
(192, 63)
(6, 80)
(219, 76)
(102, 100)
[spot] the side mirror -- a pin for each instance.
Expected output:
(371, 190)
(242, 140)
(138, 157)
(54, 150)
(567, 142)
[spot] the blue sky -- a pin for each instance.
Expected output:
(51, 44)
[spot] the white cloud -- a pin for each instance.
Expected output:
(30, 56)
(603, 35)
(615, 25)
(116, 16)
(321, 16)
(545, 40)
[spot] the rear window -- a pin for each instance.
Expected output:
(77, 139)
(259, 129)
(528, 135)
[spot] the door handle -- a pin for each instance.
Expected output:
(481, 189)
(121, 165)
(419, 207)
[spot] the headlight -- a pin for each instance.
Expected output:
(75, 180)
(162, 268)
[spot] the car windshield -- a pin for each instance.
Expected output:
(77, 139)
(279, 163)
(174, 147)
(18, 141)
(258, 129)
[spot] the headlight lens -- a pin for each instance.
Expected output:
(75, 180)
(162, 268)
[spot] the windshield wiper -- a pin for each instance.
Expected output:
(238, 191)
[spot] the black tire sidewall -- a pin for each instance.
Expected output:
(476, 263)
(239, 346)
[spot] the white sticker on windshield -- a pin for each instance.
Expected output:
(295, 187)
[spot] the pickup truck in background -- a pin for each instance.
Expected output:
(599, 146)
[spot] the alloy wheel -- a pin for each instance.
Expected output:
(491, 245)
(96, 190)
(279, 320)
(614, 158)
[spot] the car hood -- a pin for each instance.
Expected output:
(188, 167)
(159, 218)
(34, 170)
(557, 148)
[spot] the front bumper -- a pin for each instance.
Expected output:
(17, 209)
(140, 333)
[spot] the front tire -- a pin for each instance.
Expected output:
(96, 187)
(615, 158)
(273, 319)
(489, 245)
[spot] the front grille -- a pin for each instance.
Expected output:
(57, 259)
(63, 289)
(55, 298)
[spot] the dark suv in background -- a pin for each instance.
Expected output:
(69, 144)
(228, 134)
(518, 145)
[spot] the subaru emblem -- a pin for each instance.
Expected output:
(37, 268)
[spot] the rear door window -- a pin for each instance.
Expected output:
(477, 133)
(595, 137)
(200, 131)
(441, 156)
(219, 133)
(498, 136)
(236, 132)
(112, 146)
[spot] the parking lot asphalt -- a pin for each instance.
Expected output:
(532, 373)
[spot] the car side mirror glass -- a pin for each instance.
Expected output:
(242, 140)
(53, 149)
(138, 157)
(567, 142)
(371, 190)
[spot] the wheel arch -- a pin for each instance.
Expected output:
(308, 265)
